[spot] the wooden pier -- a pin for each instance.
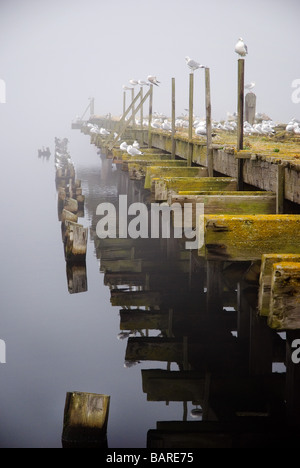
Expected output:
(220, 309)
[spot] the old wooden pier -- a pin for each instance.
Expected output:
(237, 295)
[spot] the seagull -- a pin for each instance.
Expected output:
(241, 48)
(153, 80)
(250, 86)
(136, 144)
(133, 82)
(192, 64)
(143, 83)
(123, 146)
(126, 88)
(133, 151)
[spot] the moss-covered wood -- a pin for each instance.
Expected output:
(248, 237)
(161, 172)
(168, 186)
(285, 296)
(265, 279)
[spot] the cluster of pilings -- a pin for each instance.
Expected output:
(70, 209)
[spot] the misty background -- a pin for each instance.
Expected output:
(56, 54)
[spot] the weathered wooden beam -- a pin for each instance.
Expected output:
(77, 278)
(75, 242)
(167, 186)
(85, 420)
(229, 203)
(138, 169)
(240, 238)
(285, 296)
(163, 172)
(265, 279)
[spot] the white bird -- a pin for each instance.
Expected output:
(241, 48)
(123, 146)
(136, 144)
(126, 88)
(133, 82)
(153, 80)
(143, 83)
(104, 132)
(166, 125)
(250, 86)
(133, 151)
(192, 64)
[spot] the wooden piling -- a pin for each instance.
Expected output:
(241, 84)
(191, 116)
(150, 116)
(75, 242)
(85, 420)
(173, 150)
(209, 151)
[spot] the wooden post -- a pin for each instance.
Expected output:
(241, 80)
(173, 120)
(209, 151)
(150, 117)
(124, 102)
(142, 116)
(191, 105)
(85, 420)
(133, 110)
(280, 189)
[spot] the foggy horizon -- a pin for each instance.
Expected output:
(57, 54)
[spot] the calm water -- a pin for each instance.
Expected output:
(58, 342)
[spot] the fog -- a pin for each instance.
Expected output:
(56, 54)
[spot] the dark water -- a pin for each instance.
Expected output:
(231, 365)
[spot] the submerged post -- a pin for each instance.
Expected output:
(191, 104)
(173, 119)
(209, 153)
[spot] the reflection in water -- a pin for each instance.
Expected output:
(178, 309)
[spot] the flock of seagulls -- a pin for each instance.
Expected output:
(293, 127)
(151, 80)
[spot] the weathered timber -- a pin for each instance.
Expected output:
(68, 216)
(143, 157)
(228, 203)
(77, 278)
(242, 433)
(285, 296)
(139, 319)
(71, 205)
(265, 279)
(162, 172)
(75, 242)
(138, 169)
(168, 186)
(85, 420)
(161, 385)
(135, 298)
(248, 237)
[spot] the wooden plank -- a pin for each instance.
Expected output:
(240, 238)
(136, 298)
(162, 172)
(265, 279)
(139, 319)
(161, 385)
(229, 203)
(167, 186)
(85, 420)
(285, 296)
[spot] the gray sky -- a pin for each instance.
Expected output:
(55, 54)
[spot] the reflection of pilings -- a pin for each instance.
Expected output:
(77, 278)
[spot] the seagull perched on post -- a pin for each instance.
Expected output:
(153, 80)
(241, 48)
(192, 64)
